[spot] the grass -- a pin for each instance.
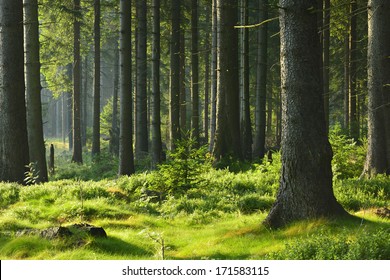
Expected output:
(218, 218)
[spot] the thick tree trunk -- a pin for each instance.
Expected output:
(141, 140)
(261, 81)
(77, 146)
(174, 107)
(33, 90)
(14, 154)
(378, 154)
(206, 122)
(305, 190)
(96, 84)
(227, 140)
(156, 100)
(126, 156)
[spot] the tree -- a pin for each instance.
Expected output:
(246, 125)
(378, 154)
(156, 100)
(195, 70)
(326, 49)
(227, 136)
(114, 139)
(126, 156)
(174, 94)
(305, 190)
(33, 90)
(261, 82)
(77, 145)
(141, 140)
(213, 90)
(14, 153)
(96, 83)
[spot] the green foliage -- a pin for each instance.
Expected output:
(31, 176)
(184, 166)
(9, 194)
(106, 118)
(365, 245)
(348, 156)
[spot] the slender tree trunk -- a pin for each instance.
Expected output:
(325, 49)
(141, 141)
(195, 70)
(378, 154)
(305, 190)
(354, 122)
(227, 140)
(206, 123)
(174, 108)
(246, 125)
(183, 93)
(14, 153)
(214, 38)
(126, 156)
(33, 90)
(77, 147)
(261, 89)
(346, 78)
(114, 139)
(156, 100)
(84, 102)
(96, 84)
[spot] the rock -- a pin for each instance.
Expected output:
(55, 232)
(91, 230)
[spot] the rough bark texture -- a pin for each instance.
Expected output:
(174, 94)
(33, 90)
(96, 84)
(126, 156)
(14, 154)
(325, 49)
(378, 154)
(195, 71)
(227, 136)
(141, 139)
(156, 99)
(206, 122)
(77, 145)
(261, 81)
(305, 190)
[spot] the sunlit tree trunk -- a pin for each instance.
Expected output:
(378, 154)
(213, 89)
(305, 190)
(195, 70)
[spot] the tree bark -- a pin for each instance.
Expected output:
(305, 190)
(33, 89)
(126, 156)
(96, 84)
(206, 122)
(261, 81)
(378, 153)
(246, 125)
(14, 153)
(156, 99)
(213, 90)
(227, 140)
(174, 108)
(77, 145)
(114, 139)
(326, 57)
(142, 139)
(195, 71)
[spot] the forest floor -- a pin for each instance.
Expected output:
(217, 214)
